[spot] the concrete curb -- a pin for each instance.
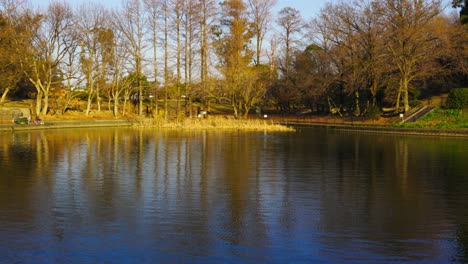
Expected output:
(387, 130)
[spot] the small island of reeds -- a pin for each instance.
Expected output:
(216, 123)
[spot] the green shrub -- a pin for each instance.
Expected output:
(457, 99)
(453, 113)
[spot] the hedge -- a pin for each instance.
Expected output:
(457, 99)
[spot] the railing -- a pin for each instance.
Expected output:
(418, 113)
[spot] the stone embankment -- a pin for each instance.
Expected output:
(387, 129)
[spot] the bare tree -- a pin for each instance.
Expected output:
(260, 11)
(72, 76)
(153, 10)
(178, 11)
(207, 17)
(357, 51)
(165, 18)
(290, 23)
(48, 50)
(121, 77)
(455, 38)
(408, 39)
(91, 28)
(132, 25)
(189, 36)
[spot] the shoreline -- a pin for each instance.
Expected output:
(459, 133)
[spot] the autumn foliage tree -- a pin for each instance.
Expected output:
(10, 45)
(234, 52)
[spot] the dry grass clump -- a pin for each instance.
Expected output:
(78, 115)
(217, 123)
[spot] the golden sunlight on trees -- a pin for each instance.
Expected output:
(233, 51)
(11, 46)
(408, 39)
(166, 58)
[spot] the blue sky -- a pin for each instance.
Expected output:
(308, 8)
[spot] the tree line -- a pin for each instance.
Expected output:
(354, 58)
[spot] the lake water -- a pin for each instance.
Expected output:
(317, 195)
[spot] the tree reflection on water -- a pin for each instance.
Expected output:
(316, 194)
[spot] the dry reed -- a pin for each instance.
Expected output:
(216, 123)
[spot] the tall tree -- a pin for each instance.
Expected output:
(49, 46)
(207, 17)
(357, 51)
(71, 71)
(12, 44)
(192, 8)
(132, 25)
(153, 10)
(178, 12)
(260, 11)
(408, 40)
(290, 23)
(452, 54)
(93, 22)
(165, 18)
(121, 82)
(233, 50)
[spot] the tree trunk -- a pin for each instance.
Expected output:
(246, 110)
(45, 107)
(4, 95)
(98, 100)
(140, 100)
(374, 93)
(38, 102)
(259, 44)
(357, 110)
(190, 107)
(124, 108)
(397, 105)
(90, 100)
(178, 62)
(234, 107)
(236, 112)
(116, 106)
(166, 58)
(405, 94)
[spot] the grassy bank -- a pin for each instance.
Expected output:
(441, 119)
(106, 118)
(438, 119)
